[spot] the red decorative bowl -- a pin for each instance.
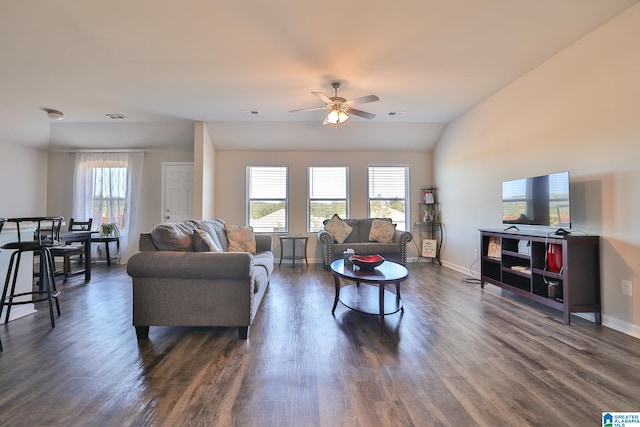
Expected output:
(366, 262)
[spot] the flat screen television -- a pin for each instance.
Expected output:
(540, 200)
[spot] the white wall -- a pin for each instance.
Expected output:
(204, 176)
(23, 178)
(231, 192)
(580, 112)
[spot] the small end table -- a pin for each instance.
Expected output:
(293, 256)
(106, 241)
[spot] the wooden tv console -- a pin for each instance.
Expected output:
(517, 261)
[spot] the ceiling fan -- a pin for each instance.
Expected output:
(340, 107)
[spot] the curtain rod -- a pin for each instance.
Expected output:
(106, 150)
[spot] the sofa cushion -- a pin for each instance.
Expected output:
(215, 228)
(173, 237)
(262, 269)
(382, 231)
(202, 242)
(338, 228)
(240, 238)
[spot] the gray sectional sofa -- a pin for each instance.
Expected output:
(358, 239)
(181, 280)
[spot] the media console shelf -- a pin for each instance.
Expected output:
(517, 261)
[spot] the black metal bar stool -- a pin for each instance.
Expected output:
(46, 236)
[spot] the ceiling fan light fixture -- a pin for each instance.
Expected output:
(337, 116)
(339, 106)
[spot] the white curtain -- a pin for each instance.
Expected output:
(107, 188)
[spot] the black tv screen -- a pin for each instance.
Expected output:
(540, 200)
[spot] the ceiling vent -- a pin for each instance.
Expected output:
(250, 112)
(116, 116)
(395, 113)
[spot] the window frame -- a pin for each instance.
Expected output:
(406, 198)
(249, 199)
(310, 200)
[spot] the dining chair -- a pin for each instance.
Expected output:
(71, 249)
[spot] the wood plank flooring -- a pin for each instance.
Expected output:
(459, 356)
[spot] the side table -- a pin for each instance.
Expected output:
(106, 241)
(293, 256)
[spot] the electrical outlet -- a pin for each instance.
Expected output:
(626, 287)
(475, 253)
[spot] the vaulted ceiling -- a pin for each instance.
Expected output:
(165, 64)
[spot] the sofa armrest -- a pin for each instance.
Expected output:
(326, 243)
(191, 265)
(264, 242)
(403, 238)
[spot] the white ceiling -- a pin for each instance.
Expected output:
(167, 63)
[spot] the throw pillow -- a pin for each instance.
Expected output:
(382, 231)
(339, 229)
(215, 229)
(241, 239)
(172, 237)
(203, 242)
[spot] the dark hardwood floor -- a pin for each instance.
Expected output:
(459, 356)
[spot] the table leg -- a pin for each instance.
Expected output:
(336, 280)
(281, 244)
(87, 258)
(398, 296)
(381, 297)
(106, 247)
(293, 264)
(305, 251)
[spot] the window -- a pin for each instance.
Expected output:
(388, 194)
(327, 194)
(267, 208)
(109, 194)
(106, 187)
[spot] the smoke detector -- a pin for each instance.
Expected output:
(54, 114)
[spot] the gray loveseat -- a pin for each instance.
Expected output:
(179, 281)
(358, 240)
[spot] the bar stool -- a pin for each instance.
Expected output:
(2, 221)
(46, 236)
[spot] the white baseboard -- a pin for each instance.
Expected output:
(19, 311)
(621, 326)
(608, 321)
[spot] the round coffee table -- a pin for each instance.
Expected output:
(366, 298)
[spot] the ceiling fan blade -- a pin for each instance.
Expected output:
(309, 109)
(323, 97)
(360, 113)
(362, 100)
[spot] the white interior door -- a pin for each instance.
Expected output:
(177, 193)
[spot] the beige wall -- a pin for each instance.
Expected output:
(580, 112)
(231, 192)
(23, 174)
(60, 184)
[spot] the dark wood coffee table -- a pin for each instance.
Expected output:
(366, 298)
